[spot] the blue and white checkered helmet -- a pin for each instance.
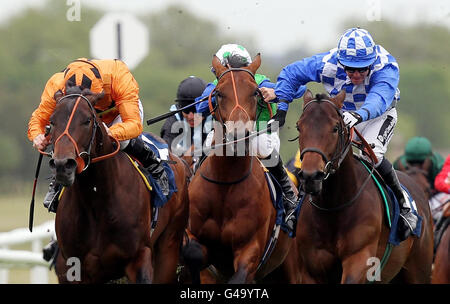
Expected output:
(356, 48)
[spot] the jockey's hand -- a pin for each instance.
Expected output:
(40, 142)
(268, 94)
(279, 118)
(107, 129)
(351, 118)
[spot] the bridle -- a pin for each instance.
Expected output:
(237, 106)
(332, 165)
(344, 143)
(214, 93)
(81, 164)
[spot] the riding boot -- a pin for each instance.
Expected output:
(290, 199)
(51, 198)
(145, 155)
(409, 219)
(50, 250)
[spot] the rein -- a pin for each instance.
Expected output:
(81, 166)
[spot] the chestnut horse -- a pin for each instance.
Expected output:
(231, 214)
(342, 231)
(104, 214)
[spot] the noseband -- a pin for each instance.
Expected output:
(343, 146)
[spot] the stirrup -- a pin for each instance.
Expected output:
(51, 198)
(163, 181)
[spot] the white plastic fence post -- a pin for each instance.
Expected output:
(4, 272)
(38, 274)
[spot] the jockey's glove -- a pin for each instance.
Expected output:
(279, 117)
(351, 118)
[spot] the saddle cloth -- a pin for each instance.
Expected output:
(276, 195)
(392, 207)
(161, 150)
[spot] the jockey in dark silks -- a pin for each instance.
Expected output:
(417, 150)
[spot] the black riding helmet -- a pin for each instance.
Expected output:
(189, 89)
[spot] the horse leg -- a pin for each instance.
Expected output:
(195, 255)
(166, 254)
(61, 269)
(245, 263)
(355, 268)
(140, 269)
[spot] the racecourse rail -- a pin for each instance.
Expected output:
(26, 259)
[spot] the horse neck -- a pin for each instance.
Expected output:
(341, 186)
(230, 166)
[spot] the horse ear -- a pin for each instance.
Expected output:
(338, 100)
(427, 164)
(401, 167)
(217, 66)
(92, 97)
(254, 66)
(307, 97)
(58, 95)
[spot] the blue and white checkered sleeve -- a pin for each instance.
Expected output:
(381, 93)
(291, 81)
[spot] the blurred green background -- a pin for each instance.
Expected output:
(40, 41)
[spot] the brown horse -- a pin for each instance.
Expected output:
(104, 215)
(419, 173)
(441, 267)
(342, 232)
(231, 215)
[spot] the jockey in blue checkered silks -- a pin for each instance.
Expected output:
(370, 77)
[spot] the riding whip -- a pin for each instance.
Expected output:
(171, 113)
(36, 175)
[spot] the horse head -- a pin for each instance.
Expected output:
(323, 139)
(418, 171)
(74, 125)
(236, 95)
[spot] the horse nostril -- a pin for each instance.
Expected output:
(316, 175)
(51, 163)
(71, 164)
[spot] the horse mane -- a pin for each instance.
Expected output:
(322, 97)
(78, 90)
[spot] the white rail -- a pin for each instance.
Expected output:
(26, 259)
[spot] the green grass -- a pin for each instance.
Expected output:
(14, 212)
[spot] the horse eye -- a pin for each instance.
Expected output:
(335, 129)
(87, 122)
